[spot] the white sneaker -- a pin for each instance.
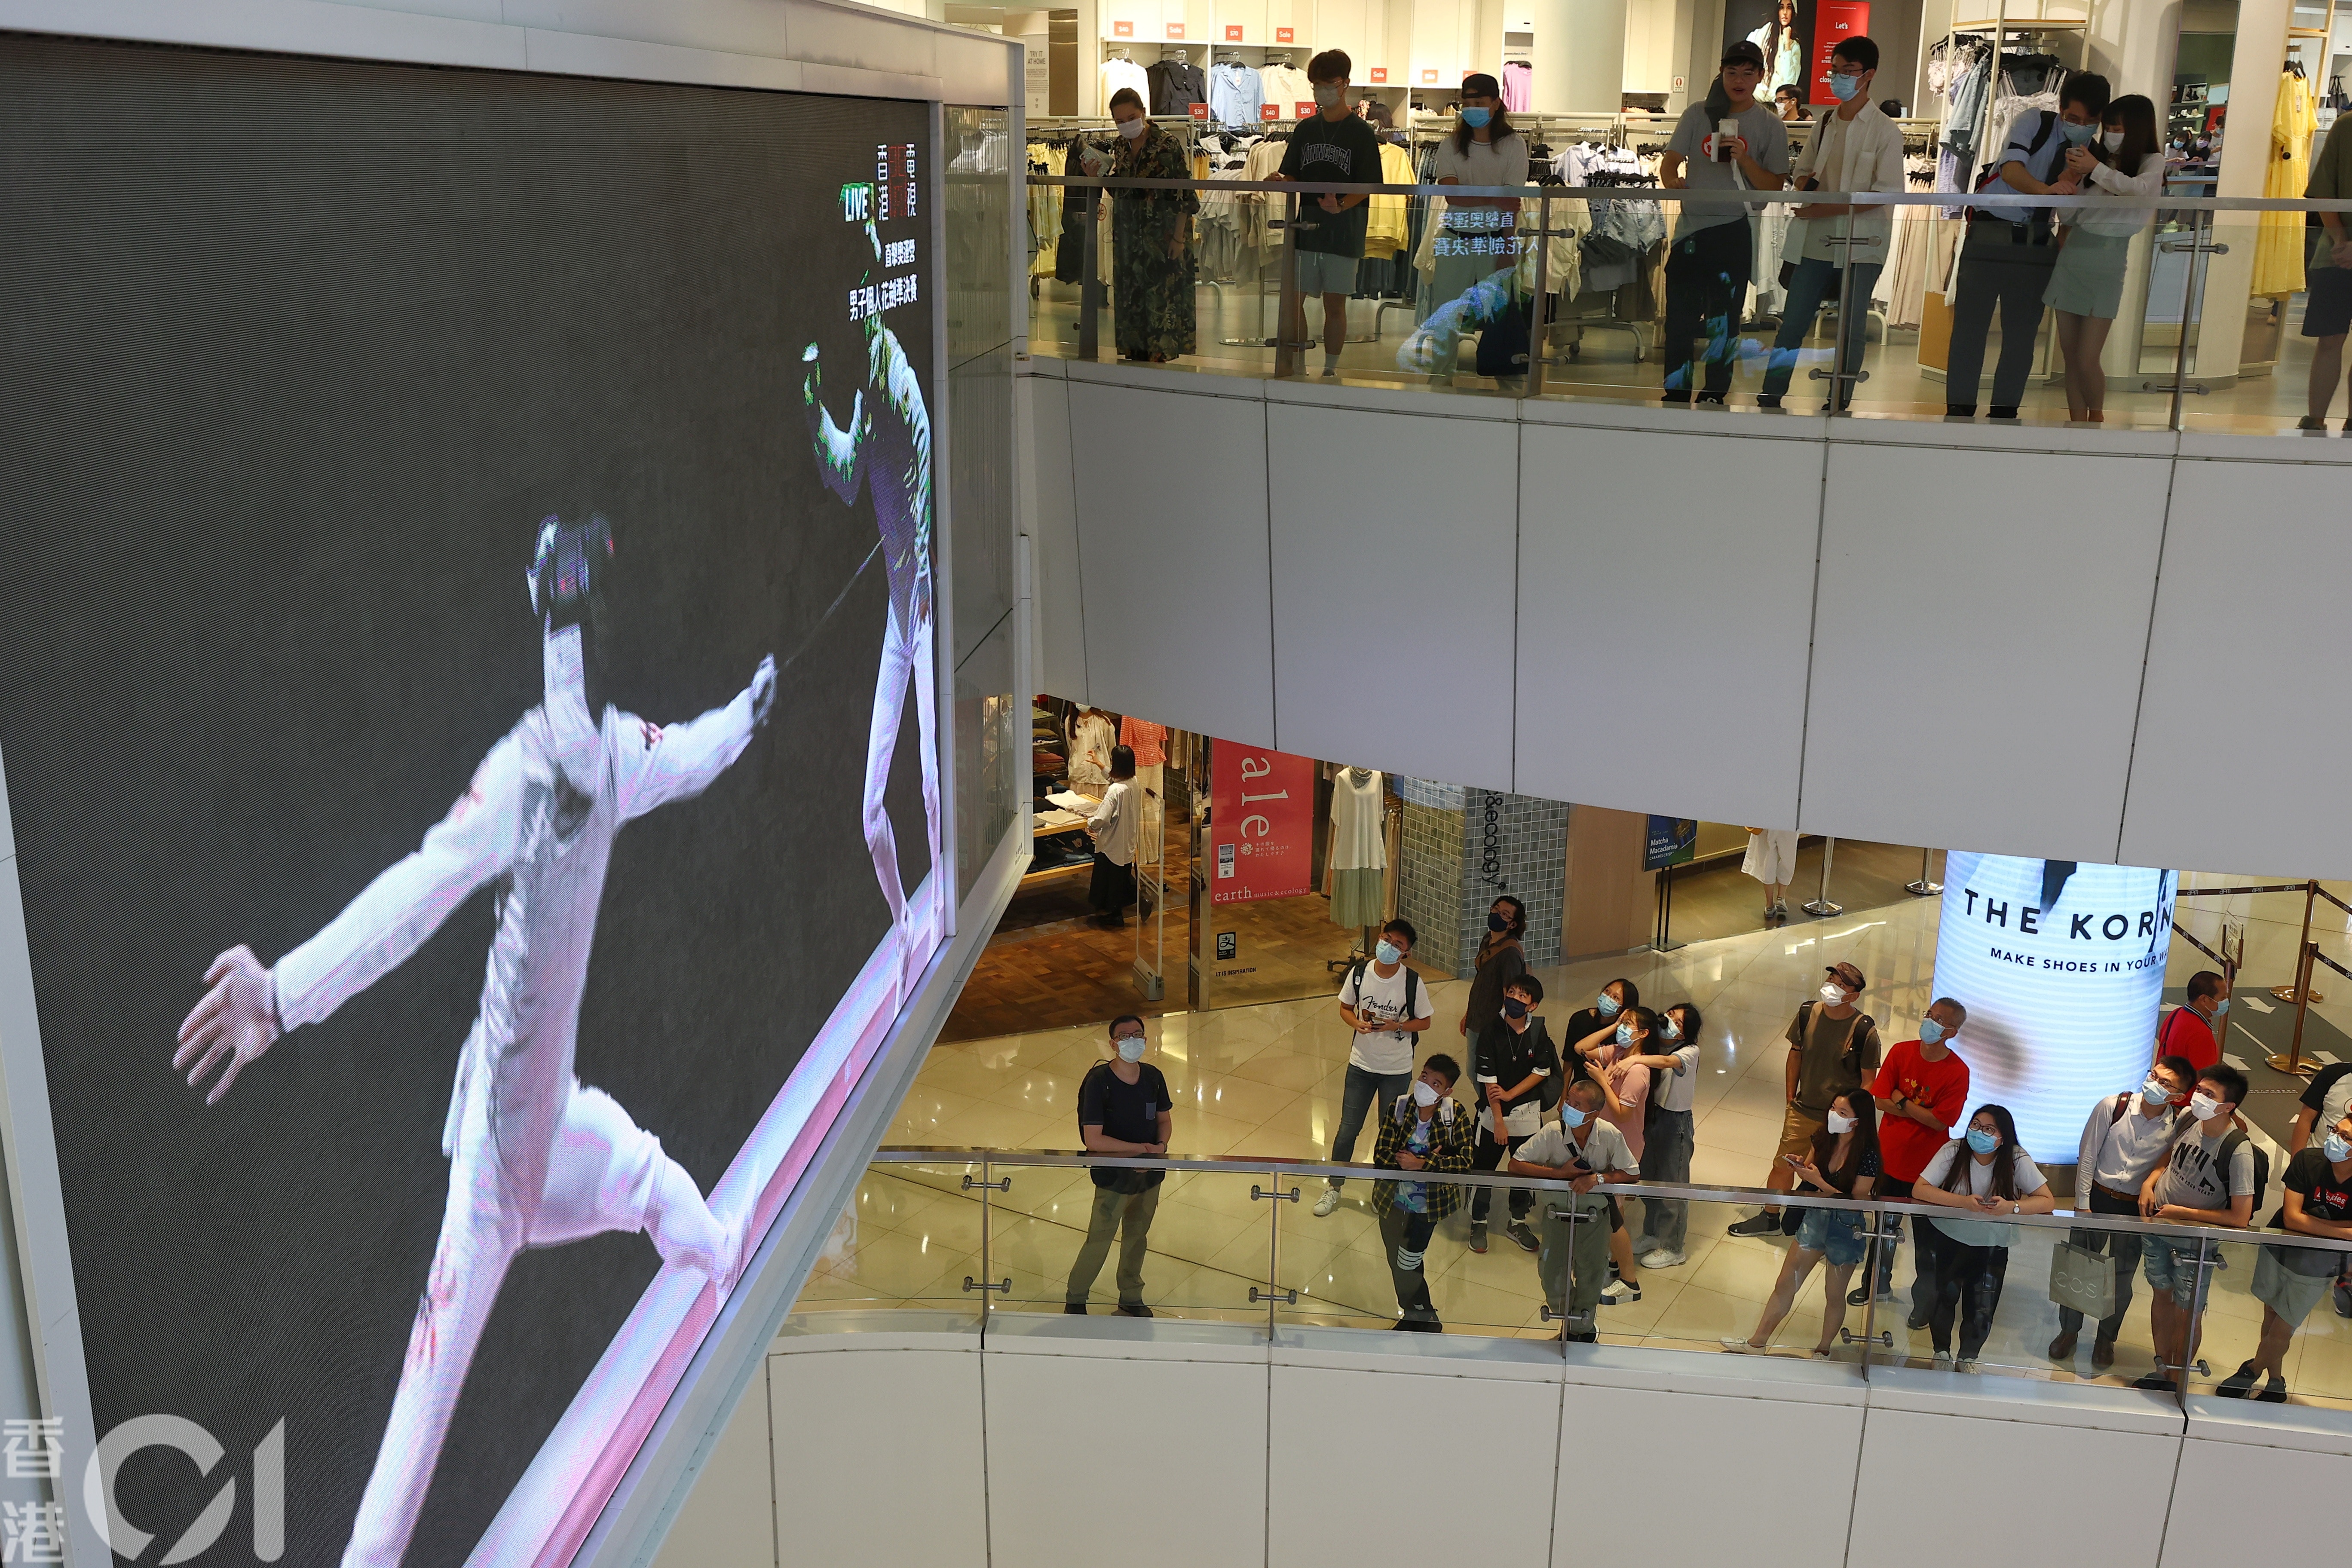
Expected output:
(1618, 1293)
(1968, 1366)
(1740, 1347)
(1327, 1203)
(1662, 1258)
(1943, 1361)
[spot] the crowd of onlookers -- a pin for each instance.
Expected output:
(1609, 1102)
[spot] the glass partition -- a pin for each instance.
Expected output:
(907, 1237)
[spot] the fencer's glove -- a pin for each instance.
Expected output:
(763, 691)
(234, 1024)
(812, 382)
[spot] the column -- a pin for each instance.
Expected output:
(1579, 59)
(2245, 156)
(2136, 47)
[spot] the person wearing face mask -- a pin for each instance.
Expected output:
(2193, 1029)
(1124, 1108)
(1384, 1004)
(1980, 1174)
(1479, 234)
(1518, 1064)
(1844, 1162)
(1618, 1059)
(1673, 1061)
(1832, 1051)
(1152, 238)
(1111, 827)
(2006, 257)
(1714, 244)
(1789, 104)
(1332, 146)
(1856, 148)
(2289, 1282)
(1421, 1130)
(2086, 286)
(2126, 1138)
(1919, 1092)
(1590, 1028)
(1583, 1150)
(1502, 958)
(2210, 1176)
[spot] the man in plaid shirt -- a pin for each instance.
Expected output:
(1424, 1129)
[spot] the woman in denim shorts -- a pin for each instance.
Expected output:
(1841, 1163)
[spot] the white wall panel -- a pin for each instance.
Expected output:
(1347, 1514)
(852, 1430)
(727, 1518)
(1063, 1431)
(2253, 643)
(1752, 1508)
(1978, 643)
(1051, 519)
(1170, 501)
(1665, 584)
(2015, 1489)
(1394, 547)
(2297, 1460)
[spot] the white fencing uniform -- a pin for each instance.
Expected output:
(536, 1158)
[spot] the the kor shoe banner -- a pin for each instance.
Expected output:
(2061, 966)
(466, 677)
(1261, 824)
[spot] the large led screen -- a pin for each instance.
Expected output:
(466, 706)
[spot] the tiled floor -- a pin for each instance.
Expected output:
(1263, 1082)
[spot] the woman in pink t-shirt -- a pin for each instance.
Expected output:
(1625, 1083)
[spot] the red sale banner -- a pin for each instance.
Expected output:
(1380, 73)
(1834, 21)
(1122, 30)
(1285, 34)
(1429, 76)
(1305, 107)
(1200, 110)
(1261, 825)
(1233, 32)
(1269, 111)
(1176, 30)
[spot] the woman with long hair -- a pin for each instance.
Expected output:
(1784, 52)
(1502, 958)
(1477, 236)
(2086, 286)
(1841, 1163)
(1980, 1174)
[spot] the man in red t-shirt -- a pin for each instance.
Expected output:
(2194, 1028)
(1922, 1090)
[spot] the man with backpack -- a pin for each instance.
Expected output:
(2214, 1175)
(1832, 1051)
(1385, 1005)
(1517, 1080)
(1123, 1108)
(2005, 260)
(2126, 1138)
(1421, 1130)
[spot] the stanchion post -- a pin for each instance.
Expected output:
(2306, 964)
(1924, 887)
(1822, 907)
(1661, 940)
(2294, 990)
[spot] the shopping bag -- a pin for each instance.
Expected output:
(2083, 1279)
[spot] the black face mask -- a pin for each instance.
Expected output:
(1498, 924)
(1513, 1008)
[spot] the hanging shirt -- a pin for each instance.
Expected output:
(1519, 86)
(1358, 833)
(1147, 740)
(1117, 74)
(1236, 94)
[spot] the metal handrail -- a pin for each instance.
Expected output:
(1997, 200)
(2064, 1219)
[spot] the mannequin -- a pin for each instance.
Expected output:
(1359, 846)
(1091, 739)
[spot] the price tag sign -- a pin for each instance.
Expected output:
(1429, 78)
(1176, 30)
(1233, 32)
(1122, 30)
(1200, 112)
(1285, 34)
(1269, 111)
(1380, 74)
(1303, 108)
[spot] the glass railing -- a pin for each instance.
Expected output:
(2164, 314)
(2059, 1297)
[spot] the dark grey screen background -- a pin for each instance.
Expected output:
(296, 356)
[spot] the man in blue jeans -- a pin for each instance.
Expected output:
(1857, 148)
(1385, 1005)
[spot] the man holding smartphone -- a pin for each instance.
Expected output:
(1727, 143)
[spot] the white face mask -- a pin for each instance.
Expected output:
(1422, 1094)
(2203, 1106)
(1327, 97)
(1130, 1047)
(1131, 128)
(578, 748)
(1840, 1123)
(1833, 992)
(2113, 140)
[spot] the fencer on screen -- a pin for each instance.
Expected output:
(537, 1158)
(886, 447)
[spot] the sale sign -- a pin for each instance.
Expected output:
(1122, 30)
(1233, 32)
(1285, 34)
(1834, 21)
(1261, 824)
(1176, 30)
(1380, 74)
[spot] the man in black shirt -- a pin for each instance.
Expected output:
(1516, 1060)
(1331, 146)
(1123, 1108)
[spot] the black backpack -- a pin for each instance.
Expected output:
(1988, 174)
(2229, 1152)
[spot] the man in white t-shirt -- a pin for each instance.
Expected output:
(1584, 1149)
(2208, 1178)
(1385, 1005)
